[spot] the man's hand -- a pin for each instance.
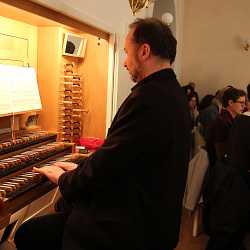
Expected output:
(66, 166)
(51, 172)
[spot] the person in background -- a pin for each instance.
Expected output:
(193, 85)
(210, 108)
(206, 101)
(188, 89)
(248, 98)
(192, 103)
(229, 192)
(234, 101)
(128, 193)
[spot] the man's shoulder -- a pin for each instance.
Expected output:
(219, 122)
(163, 86)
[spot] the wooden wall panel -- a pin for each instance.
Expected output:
(18, 43)
(95, 75)
(94, 71)
(49, 61)
(18, 46)
(13, 50)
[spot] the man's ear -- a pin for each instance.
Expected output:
(230, 102)
(144, 51)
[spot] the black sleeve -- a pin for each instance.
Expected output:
(111, 162)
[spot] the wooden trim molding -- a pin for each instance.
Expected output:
(56, 16)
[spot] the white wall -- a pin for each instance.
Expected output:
(179, 22)
(107, 15)
(213, 56)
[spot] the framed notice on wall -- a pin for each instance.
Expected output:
(18, 90)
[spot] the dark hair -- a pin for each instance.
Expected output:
(248, 91)
(190, 96)
(188, 87)
(206, 102)
(232, 94)
(192, 84)
(219, 93)
(157, 35)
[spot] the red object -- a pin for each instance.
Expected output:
(91, 143)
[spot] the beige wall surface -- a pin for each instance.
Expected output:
(212, 50)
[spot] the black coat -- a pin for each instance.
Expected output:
(239, 141)
(128, 194)
(227, 191)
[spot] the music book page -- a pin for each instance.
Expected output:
(18, 90)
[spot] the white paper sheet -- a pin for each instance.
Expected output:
(18, 90)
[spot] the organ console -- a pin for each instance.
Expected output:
(19, 186)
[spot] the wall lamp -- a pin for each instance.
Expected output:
(167, 18)
(136, 5)
(246, 44)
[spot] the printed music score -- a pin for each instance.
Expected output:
(18, 90)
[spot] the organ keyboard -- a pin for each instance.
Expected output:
(23, 139)
(19, 186)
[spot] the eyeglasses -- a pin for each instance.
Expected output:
(241, 102)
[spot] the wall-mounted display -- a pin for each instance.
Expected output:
(74, 45)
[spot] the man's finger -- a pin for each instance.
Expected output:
(66, 165)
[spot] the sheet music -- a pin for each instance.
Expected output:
(18, 90)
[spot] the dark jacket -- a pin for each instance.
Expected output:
(239, 150)
(218, 135)
(227, 196)
(128, 194)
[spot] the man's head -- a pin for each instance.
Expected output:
(248, 92)
(219, 93)
(248, 97)
(149, 46)
(234, 100)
